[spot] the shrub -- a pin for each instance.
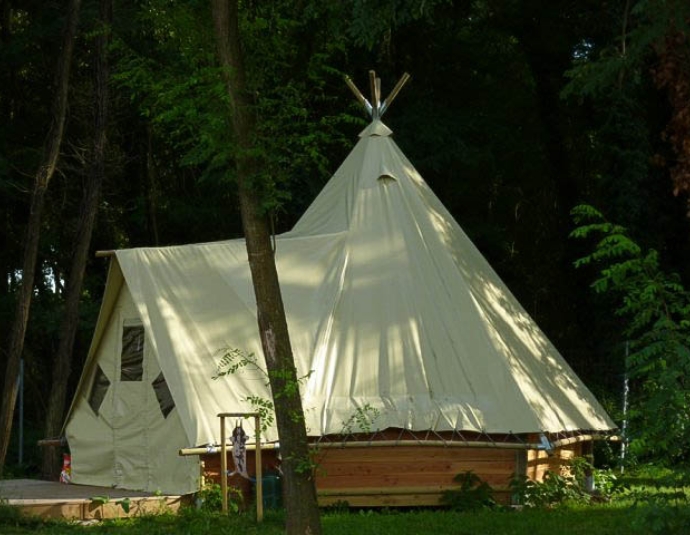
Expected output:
(472, 495)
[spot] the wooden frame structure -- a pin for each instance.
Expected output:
(257, 460)
(396, 468)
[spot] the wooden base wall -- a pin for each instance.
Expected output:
(406, 476)
(539, 461)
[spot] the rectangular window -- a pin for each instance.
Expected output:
(132, 360)
(99, 388)
(163, 395)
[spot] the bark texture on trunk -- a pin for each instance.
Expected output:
(89, 208)
(42, 178)
(300, 491)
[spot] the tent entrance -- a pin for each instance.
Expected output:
(126, 414)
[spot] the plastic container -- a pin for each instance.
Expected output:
(272, 490)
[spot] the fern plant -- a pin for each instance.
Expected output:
(656, 307)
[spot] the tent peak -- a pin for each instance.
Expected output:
(376, 128)
(375, 108)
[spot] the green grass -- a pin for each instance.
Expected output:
(624, 515)
(589, 520)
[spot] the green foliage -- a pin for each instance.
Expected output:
(362, 420)
(662, 505)
(373, 22)
(125, 503)
(167, 65)
(210, 499)
(553, 490)
(9, 515)
(233, 360)
(592, 521)
(265, 409)
(473, 494)
(557, 489)
(600, 69)
(656, 307)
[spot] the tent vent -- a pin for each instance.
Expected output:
(163, 395)
(132, 361)
(99, 388)
(386, 179)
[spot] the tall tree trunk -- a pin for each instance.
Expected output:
(672, 72)
(300, 492)
(42, 178)
(89, 208)
(6, 114)
(151, 189)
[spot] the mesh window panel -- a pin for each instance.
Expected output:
(132, 361)
(165, 400)
(99, 388)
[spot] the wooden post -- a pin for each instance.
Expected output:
(374, 103)
(223, 465)
(202, 473)
(259, 480)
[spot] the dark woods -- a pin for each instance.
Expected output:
(517, 111)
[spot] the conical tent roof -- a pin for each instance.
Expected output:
(423, 328)
(389, 306)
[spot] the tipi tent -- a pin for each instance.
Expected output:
(390, 308)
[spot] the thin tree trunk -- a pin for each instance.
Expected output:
(5, 21)
(41, 180)
(7, 106)
(152, 189)
(92, 194)
(300, 492)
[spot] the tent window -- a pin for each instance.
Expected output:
(99, 388)
(165, 400)
(132, 361)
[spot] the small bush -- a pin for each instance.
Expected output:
(553, 490)
(472, 495)
(210, 498)
(556, 489)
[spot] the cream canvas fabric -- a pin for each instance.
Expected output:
(389, 305)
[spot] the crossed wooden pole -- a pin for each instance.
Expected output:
(376, 108)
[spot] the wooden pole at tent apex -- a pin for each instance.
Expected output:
(376, 108)
(257, 458)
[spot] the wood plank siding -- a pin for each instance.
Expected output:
(371, 475)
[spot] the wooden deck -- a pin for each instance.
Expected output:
(50, 499)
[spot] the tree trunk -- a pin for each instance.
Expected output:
(70, 321)
(6, 111)
(152, 189)
(300, 492)
(42, 178)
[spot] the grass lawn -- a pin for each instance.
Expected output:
(589, 520)
(620, 516)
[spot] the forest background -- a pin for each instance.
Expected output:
(517, 111)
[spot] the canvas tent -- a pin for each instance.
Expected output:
(389, 306)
